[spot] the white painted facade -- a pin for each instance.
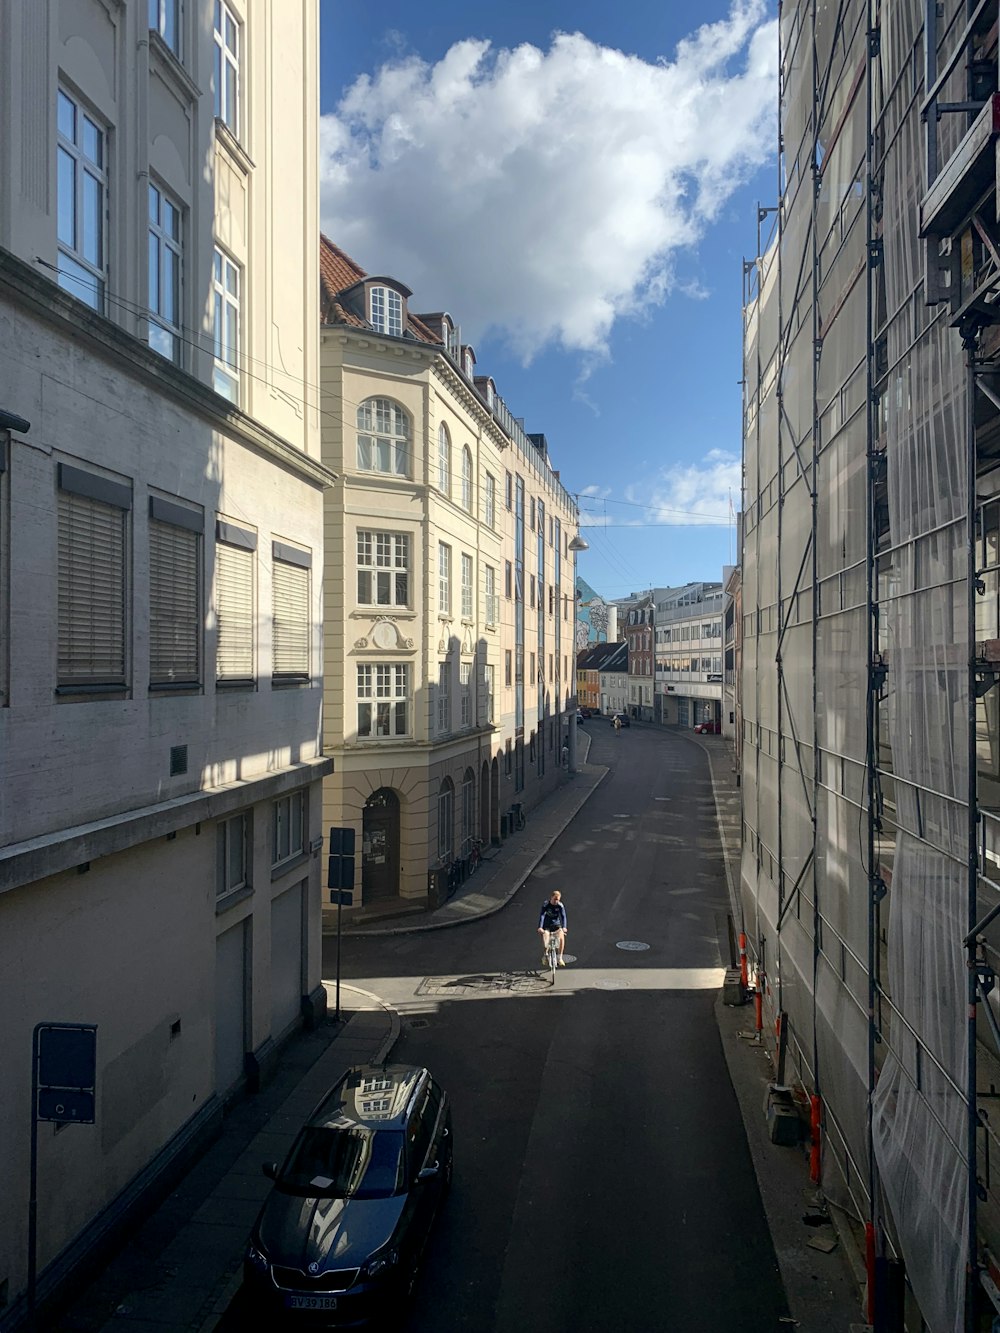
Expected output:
(688, 627)
(160, 581)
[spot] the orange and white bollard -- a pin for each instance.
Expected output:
(815, 1122)
(758, 1006)
(743, 961)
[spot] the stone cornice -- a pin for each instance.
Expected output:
(46, 300)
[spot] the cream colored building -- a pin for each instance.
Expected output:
(448, 608)
(160, 580)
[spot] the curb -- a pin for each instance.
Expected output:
(487, 911)
(222, 1302)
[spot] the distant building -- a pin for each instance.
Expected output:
(638, 627)
(688, 628)
(596, 618)
(602, 677)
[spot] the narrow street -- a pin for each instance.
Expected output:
(602, 1174)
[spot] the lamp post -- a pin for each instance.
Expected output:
(576, 545)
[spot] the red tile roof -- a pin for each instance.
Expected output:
(337, 273)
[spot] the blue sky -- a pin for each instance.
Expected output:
(577, 185)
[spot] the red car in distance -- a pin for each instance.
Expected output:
(708, 728)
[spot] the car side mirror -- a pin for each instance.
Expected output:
(270, 1170)
(428, 1172)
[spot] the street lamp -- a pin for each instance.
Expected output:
(576, 545)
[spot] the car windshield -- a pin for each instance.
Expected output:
(336, 1162)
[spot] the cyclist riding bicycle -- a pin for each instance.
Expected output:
(552, 921)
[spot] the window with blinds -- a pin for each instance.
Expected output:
(174, 595)
(92, 581)
(290, 605)
(234, 569)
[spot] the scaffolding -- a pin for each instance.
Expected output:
(870, 869)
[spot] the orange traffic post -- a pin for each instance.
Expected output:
(758, 1007)
(743, 960)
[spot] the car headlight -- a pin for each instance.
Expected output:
(256, 1258)
(378, 1263)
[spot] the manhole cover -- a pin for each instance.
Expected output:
(631, 946)
(569, 957)
(611, 985)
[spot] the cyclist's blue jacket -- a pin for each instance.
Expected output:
(553, 916)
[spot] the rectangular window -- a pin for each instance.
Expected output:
(291, 622)
(444, 699)
(490, 501)
(465, 682)
(92, 584)
(235, 563)
(227, 67)
(288, 827)
(531, 666)
(531, 514)
(492, 601)
(164, 294)
(444, 579)
(383, 568)
(551, 667)
(387, 311)
(164, 19)
(531, 588)
(226, 326)
(508, 579)
(82, 194)
(507, 667)
(383, 699)
(467, 586)
(509, 490)
(489, 689)
(175, 617)
(233, 855)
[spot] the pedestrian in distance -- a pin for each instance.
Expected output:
(551, 920)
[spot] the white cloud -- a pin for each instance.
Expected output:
(684, 495)
(539, 194)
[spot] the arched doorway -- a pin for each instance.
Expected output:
(484, 803)
(380, 846)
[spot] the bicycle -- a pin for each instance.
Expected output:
(552, 955)
(475, 855)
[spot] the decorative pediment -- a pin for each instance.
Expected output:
(385, 636)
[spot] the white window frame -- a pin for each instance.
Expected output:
(164, 273)
(384, 700)
(444, 698)
(384, 565)
(165, 19)
(227, 67)
(492, 600)
(386, 307)
(383, 437)
(82, 148)
(490, 500)
(289, 825)
(231, 832)
(468, 585)
(467, 479)
(489, 691)
(226, 276)
(444, 579)
(465, 692)
(444, 460)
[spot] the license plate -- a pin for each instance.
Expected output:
(311, 1302)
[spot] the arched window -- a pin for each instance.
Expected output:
(446, 820)
(467, 479)
(383, 437)
(468, 811)
(444, 459)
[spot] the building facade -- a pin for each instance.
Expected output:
(449, 593)
(638, 632)
(161, 535)
(688, 632)
(870, 886)
(602, 677)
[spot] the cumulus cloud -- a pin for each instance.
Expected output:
(543, 194)
(683, 495)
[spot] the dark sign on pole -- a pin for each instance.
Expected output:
(340, 871)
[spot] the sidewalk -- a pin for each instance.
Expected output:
(183, 1266)
(504, 869)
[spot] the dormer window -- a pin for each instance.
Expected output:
(469, 362)
(387, 311)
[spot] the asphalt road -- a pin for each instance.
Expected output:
(602, 1176)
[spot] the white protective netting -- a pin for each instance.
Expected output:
(919, 1107)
